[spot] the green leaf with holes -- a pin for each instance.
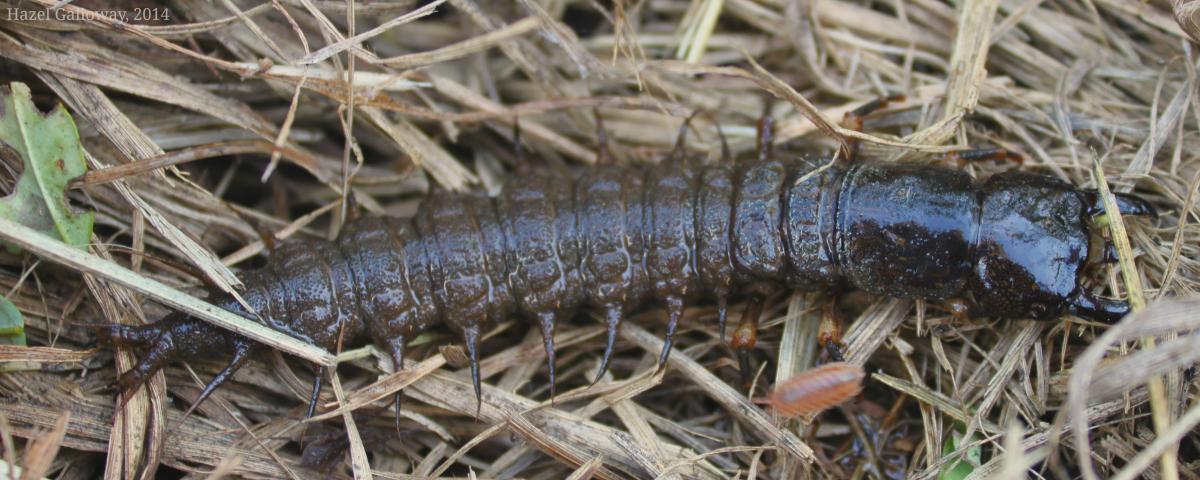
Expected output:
(961, 467)
(47, 146)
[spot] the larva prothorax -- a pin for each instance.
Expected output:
(616, 238)
(1017, 243)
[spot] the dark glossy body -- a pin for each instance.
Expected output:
(617, 238)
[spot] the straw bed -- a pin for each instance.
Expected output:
(213, 121)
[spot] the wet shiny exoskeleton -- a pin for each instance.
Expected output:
(1014, 245)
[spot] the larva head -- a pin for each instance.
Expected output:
(1032, 247)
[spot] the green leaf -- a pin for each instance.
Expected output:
(962, 467)
(12, 325)
(48, 146)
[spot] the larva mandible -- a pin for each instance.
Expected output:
(1014, 245)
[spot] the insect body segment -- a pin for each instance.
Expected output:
(616, 238)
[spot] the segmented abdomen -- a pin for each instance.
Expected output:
(611, 240)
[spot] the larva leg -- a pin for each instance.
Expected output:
(523, 167)
(830, 332)
(679, 151)
(745, 336)
(136, 336)
(963, 157)
(172, 338)
(959, 308)
(854, 120)
(726, 153)
(1110, 254)
(765, 139)
(157, 357)
(603, 156)
(463, 235)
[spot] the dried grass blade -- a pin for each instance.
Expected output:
(1187, 14)
(18, 353)
(733, 401)
(559, 450)
(463, 48)
(134, 427)
(587, 470)
(935, 399)
(1115, 378)
(89, 101)
(357, 40)
(358, 453)
(797, 346)
(454, 393)
(874, 327)
(40, 454)
(1162, 446)
(382, 388)
(642, 433)
(1163, 316)
(424, 152)
(195, 441)
(1167, 121)
(64, 254)
(1028, 335)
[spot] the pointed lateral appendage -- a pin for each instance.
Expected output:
(241, 354)
(471, 338)
(1087, 306)
(315, 396)
(674, 312)
(396, 348)
(722, 313)
(548, 320)
(612, 320)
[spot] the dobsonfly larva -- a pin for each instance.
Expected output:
(1012, 246)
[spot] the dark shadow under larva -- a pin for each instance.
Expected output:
(1012, 246)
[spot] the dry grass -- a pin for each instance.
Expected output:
(237, 115)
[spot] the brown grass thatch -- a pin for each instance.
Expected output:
(212, 117)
